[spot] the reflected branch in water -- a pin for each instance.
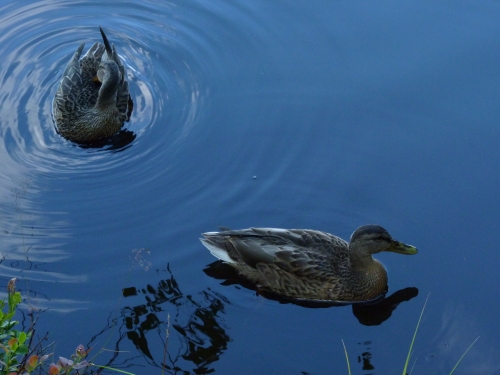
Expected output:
(368, 313)
(196, 337)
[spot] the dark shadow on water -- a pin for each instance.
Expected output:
(368, 313)
(118, 142)
(380, 311)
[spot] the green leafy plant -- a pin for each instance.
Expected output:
(13, 343)
(18, 358)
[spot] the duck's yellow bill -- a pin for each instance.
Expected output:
(401, 248)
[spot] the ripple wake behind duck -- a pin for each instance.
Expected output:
(92, 101)
(308, 264)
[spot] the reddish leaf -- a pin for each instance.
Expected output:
(53, 369)
(11, 286)
(31, 363)
(33, 360)
(12, 342)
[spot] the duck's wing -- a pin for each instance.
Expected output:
(77, 90)
(303, 253)
(67, 97)
(90, 62)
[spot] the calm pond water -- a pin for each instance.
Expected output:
(323, 115)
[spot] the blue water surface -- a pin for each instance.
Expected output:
(290, 114)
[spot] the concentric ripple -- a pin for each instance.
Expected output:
(167, 62)
(36, 43)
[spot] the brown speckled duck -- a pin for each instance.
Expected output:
(84, 109)
(309, 264)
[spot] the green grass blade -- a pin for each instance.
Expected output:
(463, 355)
(346, 358)
(414, 336)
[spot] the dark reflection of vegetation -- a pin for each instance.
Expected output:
(365, 358)
(369, 313)
(195, 337)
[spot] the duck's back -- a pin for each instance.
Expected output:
(77, 91)
(297, 263)
(89, 91)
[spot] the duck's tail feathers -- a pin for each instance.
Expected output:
(109, 50)
(215, 248)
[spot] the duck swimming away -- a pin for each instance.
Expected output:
(308, 264)
(92, 100)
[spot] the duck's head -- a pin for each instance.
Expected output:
(108, 71)
(372, 239)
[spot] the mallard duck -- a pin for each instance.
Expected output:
(308, 264)
(93, 97)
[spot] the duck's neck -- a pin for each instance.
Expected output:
(368, 276)
(107, 95)
(360, 260)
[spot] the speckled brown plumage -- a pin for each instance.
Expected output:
(86, 110)
(308, 264)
